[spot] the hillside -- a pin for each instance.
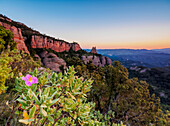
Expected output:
(151, 66)
(157, 78)
(50, 51)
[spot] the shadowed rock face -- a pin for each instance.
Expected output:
(35, 39)
(50, 60)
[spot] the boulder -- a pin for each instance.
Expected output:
(53, 62)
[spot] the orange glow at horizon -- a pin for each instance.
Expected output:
(148, 36)
(133, 45)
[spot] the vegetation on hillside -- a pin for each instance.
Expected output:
(71, 98)
(159, 82)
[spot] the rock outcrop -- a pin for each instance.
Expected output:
(97, 60)
(93, 50)
(50, 60)
(34, 38)
(18, 38)
(56, 45)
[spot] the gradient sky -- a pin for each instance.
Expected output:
(102, 23)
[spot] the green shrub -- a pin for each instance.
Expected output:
(56, 99)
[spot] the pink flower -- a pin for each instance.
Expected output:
(29, 80)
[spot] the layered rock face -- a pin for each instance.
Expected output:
(18, 38)
(56, 45)
(36, 39)
(97, 60)
(50, 60)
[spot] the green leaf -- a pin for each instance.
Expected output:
(17, 112)
(46, 91)
(54, 94)
(35, 98)
(35, 72)
(24, 97)
(50, 118)
(22, 102)
(43, 112)
(32, 112)
(34, 87)
(53, 102)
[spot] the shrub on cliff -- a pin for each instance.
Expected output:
(6, 39)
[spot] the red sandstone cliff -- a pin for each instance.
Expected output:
(18, 38)
(56, 45)
(36, 40)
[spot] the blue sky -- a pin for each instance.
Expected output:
(100, 23)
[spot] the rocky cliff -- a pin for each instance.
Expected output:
(18, 38)
(41, 46)
(56, 45)
(24, 34)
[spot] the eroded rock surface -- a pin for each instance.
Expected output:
(50, 60)
(56, 45)
(97, 60)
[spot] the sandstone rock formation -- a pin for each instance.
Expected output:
(50, 60)
(56, 45)
(93, 50)
(35, 39)
(18, 38)
(97, 60)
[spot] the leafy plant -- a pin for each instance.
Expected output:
(56, 99)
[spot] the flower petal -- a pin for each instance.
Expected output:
(28, 76)
(23, 78)
(28, 83)
(34, 80)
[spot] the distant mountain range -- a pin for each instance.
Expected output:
(166, 50)
(138, 57)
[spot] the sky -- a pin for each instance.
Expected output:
(106, 24)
